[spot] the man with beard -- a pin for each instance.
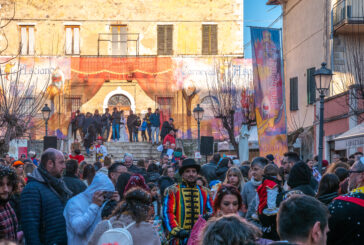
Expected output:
(43, 200)
(185, 202)
(8, 220)
(346, 220)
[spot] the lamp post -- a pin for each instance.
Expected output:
(46, 112)
(198, 115)
(323, 78)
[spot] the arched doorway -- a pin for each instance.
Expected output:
(121, 102)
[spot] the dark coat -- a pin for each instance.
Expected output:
(130, 122)
(164, 182)
(221, 173)
(42, 214)
(74, 184)
(346, 221)
(97, 121)
(116, 116)
(80, 119)
(166, 128)
(106, 119)
(209, 171)
(87, 123)
(327, 198)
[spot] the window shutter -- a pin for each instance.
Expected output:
(311, 86)
(31, 40)
(76, 40)
(205, 39)
(24, 40)
(169, 40)
(213, 39)
(160, 40)
(115, 40)
(293, 94)
(68, 40)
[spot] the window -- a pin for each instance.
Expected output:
(72, 39)
(28, 104)
(119, 39)
(209, 39)
(165, 39)
(311, 86)
(73, 103)
(293, 94)
(27, 39)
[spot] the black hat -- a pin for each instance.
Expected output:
(189, 163)
(270, 157)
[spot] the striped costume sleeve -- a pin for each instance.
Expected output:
(169, 210)
(209, 208)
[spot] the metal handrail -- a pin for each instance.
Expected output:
(348, 10)
(102, 35)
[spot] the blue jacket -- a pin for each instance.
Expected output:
(81, 214)
(155, 120)
(144, 126)
(42, 213)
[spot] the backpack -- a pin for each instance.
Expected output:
(116, 236)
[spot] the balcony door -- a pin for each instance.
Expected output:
(119, 40)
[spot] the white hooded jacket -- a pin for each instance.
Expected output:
(81, 214)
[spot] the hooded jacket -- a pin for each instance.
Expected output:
(81, 214)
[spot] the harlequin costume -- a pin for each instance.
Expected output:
(184, 203)
(100, 150)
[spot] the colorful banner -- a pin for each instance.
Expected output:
(268, 85)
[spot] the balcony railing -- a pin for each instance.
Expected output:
(348, 12)
(118, 44)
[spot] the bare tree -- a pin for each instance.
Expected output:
(225, 96)
(21, 94)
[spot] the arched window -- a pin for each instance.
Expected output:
(119, 100)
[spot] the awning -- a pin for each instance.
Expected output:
(353, 138)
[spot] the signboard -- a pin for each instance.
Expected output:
(268, 86)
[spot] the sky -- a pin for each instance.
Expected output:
(257, 13)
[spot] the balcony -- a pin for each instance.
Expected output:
(118, 44)
(348, 16)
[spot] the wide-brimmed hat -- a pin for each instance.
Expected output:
(100, 138)
(189, 163)
(17, 163)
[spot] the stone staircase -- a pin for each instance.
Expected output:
(140, 150)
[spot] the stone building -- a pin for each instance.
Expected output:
(127, 54)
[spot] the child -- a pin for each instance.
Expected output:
(268, 191)
(143, 128)
(267, 208)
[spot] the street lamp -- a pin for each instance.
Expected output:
(323, 78)
(198, 115)
(46, 112)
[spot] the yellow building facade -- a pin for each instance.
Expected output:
(127, 54)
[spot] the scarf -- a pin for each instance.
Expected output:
(255, 182)
(57, 185)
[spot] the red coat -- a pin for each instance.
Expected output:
(79, 158)
(262, 193)
(170, 138)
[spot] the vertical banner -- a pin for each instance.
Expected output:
(269, 96)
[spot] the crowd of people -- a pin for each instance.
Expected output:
(123, 129)
(55, 200)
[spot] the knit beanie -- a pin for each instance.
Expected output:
(300, 175)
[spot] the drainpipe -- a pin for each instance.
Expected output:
(332, 40)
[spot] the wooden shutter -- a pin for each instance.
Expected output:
(165, 39)
(209, 39)
(160, 40)
(293, 102)
(24, 40)
(68, 40)
(76, 40)
(311, 86)
(31, 40)
(213, 39)
(169, 39)
(205, 39)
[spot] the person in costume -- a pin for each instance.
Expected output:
(100, 149)
(184, 203)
